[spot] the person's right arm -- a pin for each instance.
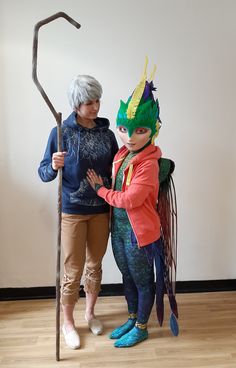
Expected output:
(52, 159)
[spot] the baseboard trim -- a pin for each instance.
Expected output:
(48, 292)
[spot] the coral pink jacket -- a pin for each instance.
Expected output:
(139, 192)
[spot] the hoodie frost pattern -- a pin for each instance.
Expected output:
(86, 148)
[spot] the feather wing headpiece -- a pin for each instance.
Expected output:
(141, 109)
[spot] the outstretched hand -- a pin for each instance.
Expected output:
(93, 178)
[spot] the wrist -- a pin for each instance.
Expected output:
(98, 186)
(54, 169)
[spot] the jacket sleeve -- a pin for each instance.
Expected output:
(45, 169)
(144, 181)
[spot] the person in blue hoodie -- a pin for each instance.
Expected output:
(87, 142)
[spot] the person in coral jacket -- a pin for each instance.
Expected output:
(135, 220)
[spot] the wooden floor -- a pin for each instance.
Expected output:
(207, 335)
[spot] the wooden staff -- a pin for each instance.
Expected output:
(58, 117)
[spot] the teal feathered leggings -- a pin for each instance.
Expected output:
(136, 268)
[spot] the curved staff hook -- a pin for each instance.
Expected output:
(58, 118)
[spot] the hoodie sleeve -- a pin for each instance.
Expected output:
(144, 181)
(45, 169)
(114, 145)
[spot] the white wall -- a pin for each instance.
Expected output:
(193, 44)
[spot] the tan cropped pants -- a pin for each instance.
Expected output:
(84, 242)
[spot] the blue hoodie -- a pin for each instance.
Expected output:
(86, 149)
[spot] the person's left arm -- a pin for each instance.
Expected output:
(114, 145)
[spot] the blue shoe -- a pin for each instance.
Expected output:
(132, 338)
(122, 330)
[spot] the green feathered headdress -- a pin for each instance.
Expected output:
(141, 109)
